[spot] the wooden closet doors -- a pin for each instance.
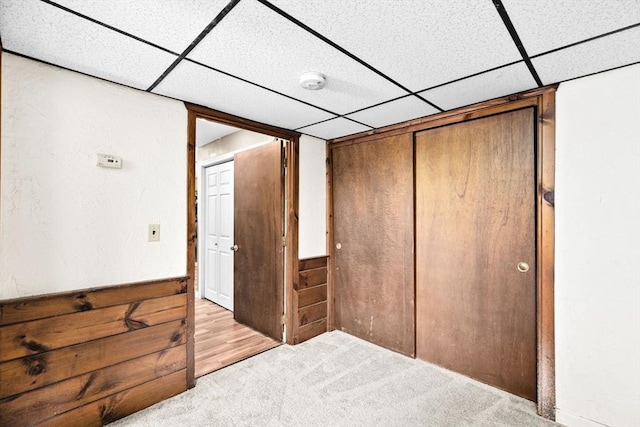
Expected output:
(373, 267)
(475, 249)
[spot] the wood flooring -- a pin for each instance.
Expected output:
(221, 341)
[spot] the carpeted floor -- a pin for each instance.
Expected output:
(337, 380)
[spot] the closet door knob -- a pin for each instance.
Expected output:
(523, 267)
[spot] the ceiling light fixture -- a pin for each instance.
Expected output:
(313, 80)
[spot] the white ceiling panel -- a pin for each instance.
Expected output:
(598, 55)
(334, 128)
(200, 85)
(544, 25)
(64, 39)
(259, 45)
(414, 42)
(170, 24)
(397, 111)
(493, 84)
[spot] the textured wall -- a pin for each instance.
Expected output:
(597, 250)
(66, 223)
(313, 198)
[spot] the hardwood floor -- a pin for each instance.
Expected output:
(221, 341)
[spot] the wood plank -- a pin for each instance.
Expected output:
(475, 222)
(121, 404)
(312, 295)
(309, 278)
(311, 330)
(28, 373)
(292, 189)
(258, 227)
(312, 313)
(63, 396)
(311, 263)
(373, 226)
(192, 236)
(545, 256)
(39, 307)
(331, 311)
(39, 336)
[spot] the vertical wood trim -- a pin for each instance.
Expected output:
(331, 308)
(191, 246)
(291, 275)
(545, 255)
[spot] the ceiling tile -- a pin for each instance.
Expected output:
(544, 25)
(47, 33)
(200, 85)
(493, 84)
(333, 128)
(259, 45)
(397, 111)
(170, 24)
(416, 43)
(587, 58)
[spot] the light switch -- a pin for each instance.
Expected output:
(154, 232)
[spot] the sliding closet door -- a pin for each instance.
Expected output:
(373, 236)
(475, 250)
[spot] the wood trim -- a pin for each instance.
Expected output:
(191, 247)
(545, 256)
(331, 310)
(292, 209)
(498, 105)
(310, 305)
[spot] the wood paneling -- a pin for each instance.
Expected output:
(475, 221)
(373, 274)
(258, 263)
(310, 299)
(112, 343)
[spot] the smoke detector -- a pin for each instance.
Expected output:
(313, 80)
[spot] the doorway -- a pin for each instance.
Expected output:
(239, 184)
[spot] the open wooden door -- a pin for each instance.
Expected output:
(258, 263)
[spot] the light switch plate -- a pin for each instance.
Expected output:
(154, 232)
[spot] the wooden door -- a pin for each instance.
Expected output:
(475, 222)
(258, 264)
(373, 235)
(218, 230)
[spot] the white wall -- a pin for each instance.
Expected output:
(597, 280)
(67, 224)
(312, 199)
(237, 141)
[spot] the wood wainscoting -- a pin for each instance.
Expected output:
(89, 357)
(310, 299)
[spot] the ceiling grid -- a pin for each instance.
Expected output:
(385, 61)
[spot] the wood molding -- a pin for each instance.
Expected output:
(191, 246)
(291, 272)
(310, 304)
(331, 311)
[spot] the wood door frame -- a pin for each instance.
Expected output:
(543, 101)
(195, 112)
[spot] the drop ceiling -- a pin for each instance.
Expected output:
(386, 61)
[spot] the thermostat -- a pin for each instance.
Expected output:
(109, 161)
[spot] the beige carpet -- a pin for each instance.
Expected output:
(337, 380)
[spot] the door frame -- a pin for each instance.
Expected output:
(543, 101)
(195, 112)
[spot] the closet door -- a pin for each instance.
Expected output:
(475, 250)
(373, 237)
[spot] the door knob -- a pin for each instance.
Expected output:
(523, 267)
(234, 248)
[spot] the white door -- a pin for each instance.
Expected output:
(218, 231)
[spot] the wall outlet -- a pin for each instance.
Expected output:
(109, 161)
(154, 232)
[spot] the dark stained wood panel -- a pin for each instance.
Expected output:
(311, 263)
(373, 228)
(121, 404)
(312, 313)
(38, 336)
(23, 309)
(312, 295)
(20, 375)
(69, 394)
(475, 221)
(311, 330)
(258, 228)
(314, 277)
